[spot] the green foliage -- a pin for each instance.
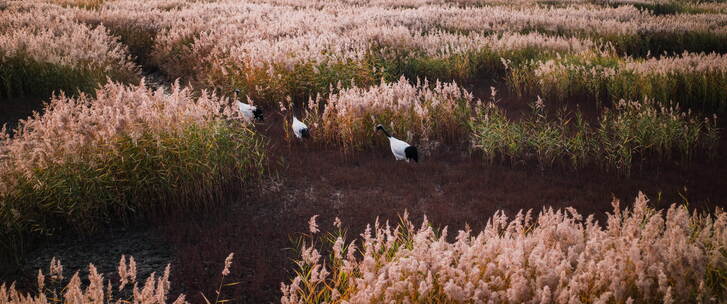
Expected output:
(299, 82)
(607, 78)
(706, 91)
(137, 37)
(659, 8)
(483, 64)
(642, 131)
(642, 44)
(131, 178)
(21, 76)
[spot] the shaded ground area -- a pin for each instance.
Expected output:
(15, 108)
(104, 250)
(450, 186)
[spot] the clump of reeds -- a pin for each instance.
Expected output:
(696, 81)
(136, 28)
(644, 132)
(85, 4)
(435, 111)
(128, 152)
(97, 289)
(641, 255)
(654, 133)
(43, 50)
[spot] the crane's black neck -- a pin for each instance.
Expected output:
(385, 132)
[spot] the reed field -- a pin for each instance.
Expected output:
(641, 129)
(559, 257)
(126, 152)
(43, 52)
(508, 106)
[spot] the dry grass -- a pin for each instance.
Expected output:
(97, 289)
(641, 255)
(271, 50)
(434, 112)
(86, 4)
(127, 152)
(43, 50)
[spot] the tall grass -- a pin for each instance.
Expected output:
(295, 58)
(435, 112)
(22, 76)
(630, 30)
(378, 53)
(41, 52)
(631, 133)
(271, 50)
(640, 255)
(127, 153)
(472, 57)
(85, 4)
(697, 81)
(667, 7)
(137, 33)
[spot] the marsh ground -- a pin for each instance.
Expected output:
(450, 186)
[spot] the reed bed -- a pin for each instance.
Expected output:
(86, 4)
(640, 255)
(697, 81)
(42, 50)
(448, 43)
(127, 153)
(656, 7)
(134, 29)
(631, 133)
(435, 112)
(107, 150)
(271, 49)
(382, 52)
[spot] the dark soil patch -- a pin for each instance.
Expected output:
(103, 250)
(11, 110)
